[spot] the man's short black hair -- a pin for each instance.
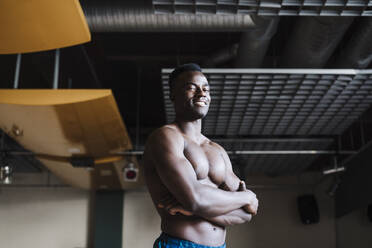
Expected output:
(181, 69)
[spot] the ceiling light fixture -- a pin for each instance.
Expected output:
(6, 174)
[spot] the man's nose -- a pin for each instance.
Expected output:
(201, 92)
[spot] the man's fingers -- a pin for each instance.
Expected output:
(169, 207)
(173, 209)
(185, 212)
(167, 202)
(179, 209)
(253, 206)
(242, 186)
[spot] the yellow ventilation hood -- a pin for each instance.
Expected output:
(39, 25)
(57, 125)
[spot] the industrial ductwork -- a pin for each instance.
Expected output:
(313, 41)
(357, 53)
(138, 16)
(254, 42)
(221, 56)
(251, 50)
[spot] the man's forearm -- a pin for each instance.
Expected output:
(235, 217)
(211, 202)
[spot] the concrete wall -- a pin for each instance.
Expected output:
(43, 217)
(354, 230)
(277, 224)
(141, 224)
(58, 217)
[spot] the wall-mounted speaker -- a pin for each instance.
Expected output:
(308, 209)
(369, 212)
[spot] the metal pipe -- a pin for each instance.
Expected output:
(242, 152)
(91, 67)
(17, 71)
(34, 186)
(280, 71)
(265, 152)
(280, 186)
(333, 170)
(258, 140)
(56, 69)
(69, 83)
(292, 152)
(138, 16)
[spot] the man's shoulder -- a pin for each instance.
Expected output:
(215, 145)
(165, 132)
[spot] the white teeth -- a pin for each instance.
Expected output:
(200, 103)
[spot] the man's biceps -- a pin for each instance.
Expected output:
(166, 160)
(178, 172)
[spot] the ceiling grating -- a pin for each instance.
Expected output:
(281, 101)
(266, 7)
(272, 163)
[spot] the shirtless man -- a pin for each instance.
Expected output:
(189, 177)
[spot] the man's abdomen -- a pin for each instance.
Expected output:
(194, 229)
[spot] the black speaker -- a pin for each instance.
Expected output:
(369, 212)
(308, 209)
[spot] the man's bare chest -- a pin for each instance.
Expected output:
(207, 161)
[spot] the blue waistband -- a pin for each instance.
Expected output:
(168, 241)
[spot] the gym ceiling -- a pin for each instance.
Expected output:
(291, 85)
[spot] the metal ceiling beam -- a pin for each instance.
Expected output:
(139, 16)
(242, 152)
(258, 140)
(265, 152)
(265, 7)
(279, 71)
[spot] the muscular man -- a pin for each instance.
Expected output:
(189, 177)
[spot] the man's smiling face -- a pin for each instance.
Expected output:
(191, 95)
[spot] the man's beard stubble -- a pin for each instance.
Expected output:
(191, 114)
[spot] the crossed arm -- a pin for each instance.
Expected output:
(177, 174)
(238, 216)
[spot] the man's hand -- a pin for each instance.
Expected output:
(173, 210)
(249, 208)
